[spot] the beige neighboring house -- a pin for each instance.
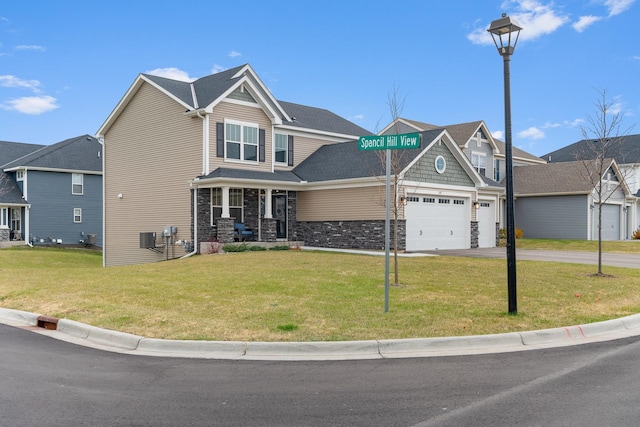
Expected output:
(219, 159)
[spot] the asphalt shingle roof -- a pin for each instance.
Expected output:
(624, 149)
(209, 88)
(9, 190)
(282, 176)
(346, 161)
(10, 151)
(551, 178)
(79, 153)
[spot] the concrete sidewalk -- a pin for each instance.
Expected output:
(576, 257)
(114, 341)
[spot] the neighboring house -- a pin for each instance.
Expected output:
(13, 206)
(186, 161)
(626, 152)
(558, 201)
(487, 156)
(60, 189)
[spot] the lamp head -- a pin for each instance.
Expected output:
(501, 30)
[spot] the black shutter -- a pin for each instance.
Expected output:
(261, 141)
(290, 150)
(220, 139)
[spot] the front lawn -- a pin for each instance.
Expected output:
(305, 295)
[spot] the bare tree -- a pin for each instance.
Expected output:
(603, 143)
(398, 160)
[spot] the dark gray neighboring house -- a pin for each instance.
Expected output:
(556, 201)
(626, 152)
(52, 194)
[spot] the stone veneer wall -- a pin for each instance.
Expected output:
(348, 234)
(475, 234)
(4, 234)
(206, 232)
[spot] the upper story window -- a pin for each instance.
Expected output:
(479, 161)
(241, 141)
(496, 170)
(77, 183)
(19, 175)
(281, 148)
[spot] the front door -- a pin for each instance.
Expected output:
(279, 207)
(16, 224)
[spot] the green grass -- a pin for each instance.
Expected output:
(310, 296)
(625, 246)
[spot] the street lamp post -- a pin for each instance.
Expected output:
(501, 31)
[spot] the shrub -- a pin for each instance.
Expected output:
(256, 248)
(279, 248)
(242, 247)
(636, 234)
(502, 233)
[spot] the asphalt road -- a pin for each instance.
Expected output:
(611, 259)
(55, 383)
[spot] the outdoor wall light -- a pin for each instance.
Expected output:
(476, 205)
(403, 200)
(120, 196)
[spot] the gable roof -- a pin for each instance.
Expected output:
(624, 149)
(345, 161)
(203, 94)
(82, 153)
(555, 178)
(9, 191)
(10, 151)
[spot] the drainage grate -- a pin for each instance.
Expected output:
(47, 322)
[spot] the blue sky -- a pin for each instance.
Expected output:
(64, 65)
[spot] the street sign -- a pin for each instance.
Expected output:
(389, 142)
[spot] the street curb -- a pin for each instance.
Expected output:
(105, 339)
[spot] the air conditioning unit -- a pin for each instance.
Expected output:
(148, 240)
(92, 239)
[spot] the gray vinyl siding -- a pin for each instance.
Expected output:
(553, 217)
(52, 204)
(424, 170)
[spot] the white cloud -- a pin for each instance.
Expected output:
(31, 47)
(535, 18)
(584, 22)
(616, 7)
(498, 134)
(531, 133)
(574, 123)
(31, 104)
(171, 73)
(217, 69)
(13, 81)
(234, 54)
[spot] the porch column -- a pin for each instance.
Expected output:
(225, 203)
(268, 210)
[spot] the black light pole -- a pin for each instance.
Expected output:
(501, 30)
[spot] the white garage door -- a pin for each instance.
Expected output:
(610, 222)
(436, 222)
(486, 225)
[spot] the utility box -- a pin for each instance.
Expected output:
(148, 240)
(92, 239)
(170, 231)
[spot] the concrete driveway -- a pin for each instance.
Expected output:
(611, 259)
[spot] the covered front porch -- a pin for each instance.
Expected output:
(11, 225)
(265, 209)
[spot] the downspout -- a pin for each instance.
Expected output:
(195, 225)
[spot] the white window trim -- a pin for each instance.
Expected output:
(444, 164)
(20, 175)
(212, 219)
(241, 142)
(4, 218)
(77, 213)
(73, 184)
(477, 165)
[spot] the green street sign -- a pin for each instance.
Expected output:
(389, 142)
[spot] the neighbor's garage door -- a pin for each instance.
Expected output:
(487, 225)
(437, 223)
(610, 222)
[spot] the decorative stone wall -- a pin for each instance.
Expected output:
(497, 234)
(268, 230)
(349, 234)
(475, 234)
(206, 232)
(251, 205)
(292, 228)
(225, 229)
(4, 234)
